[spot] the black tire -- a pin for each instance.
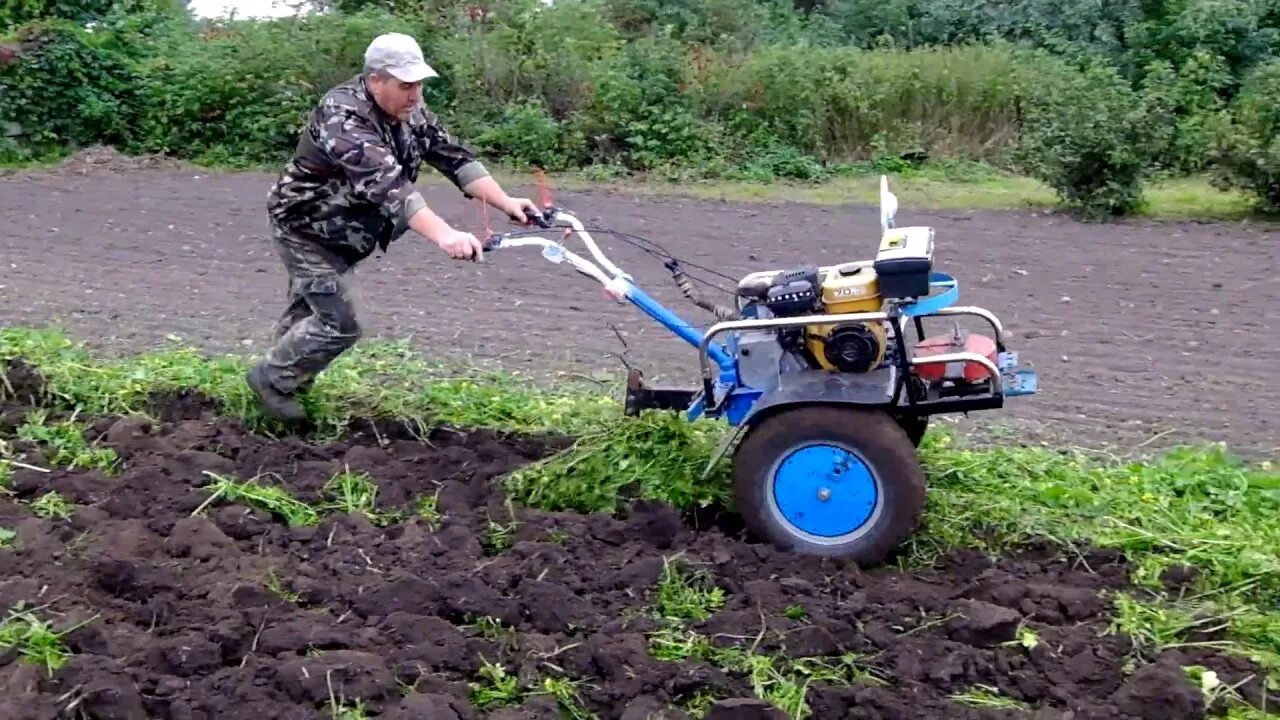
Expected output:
(915, 427)
(895, 481)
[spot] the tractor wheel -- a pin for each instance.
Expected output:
(834, 481)
(915, 427)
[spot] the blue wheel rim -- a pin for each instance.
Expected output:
(825, 492)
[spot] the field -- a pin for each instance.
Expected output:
(169, 556)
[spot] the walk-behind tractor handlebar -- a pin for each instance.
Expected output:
(557, 253)
(616, 282)
(817, 373)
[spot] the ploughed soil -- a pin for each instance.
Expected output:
(184, 609)
(1144, 333)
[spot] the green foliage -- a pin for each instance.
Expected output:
(19, 12)
(1092, 98)
(843, 104)
(1249, 148)
(1069, 26)
(1090, 138)
(68, 87)
(639, 116)
(1237, 33)
(238, 95)
(738, 24)
(1185, 103)
(550, 55)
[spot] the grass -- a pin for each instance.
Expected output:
(346, 492)
(35, 640)
(63, 443)
(1192, 506)
(269, 498)
(938, 185)
(930, 186)
(498, 688)
(684, 595)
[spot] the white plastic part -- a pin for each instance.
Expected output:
(616, 282)
(618, 288)
(888, 204)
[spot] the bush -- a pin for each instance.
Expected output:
(1247, 154)
(1184, 104)
(641, 117)
(239, 93)
(844, 104)
(552, 57)
(15, 13)
(729, 88)
(1088, 136)
(65, 88)
(526, 135)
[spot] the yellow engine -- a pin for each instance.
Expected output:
(850, 346)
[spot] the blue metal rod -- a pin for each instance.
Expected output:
(679, 326)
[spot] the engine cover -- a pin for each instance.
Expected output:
(787, 293)
(850, 347)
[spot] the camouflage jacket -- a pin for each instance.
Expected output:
(350, 185)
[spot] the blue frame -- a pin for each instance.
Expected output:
(678, 325)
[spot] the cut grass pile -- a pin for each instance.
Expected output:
(1195, 508)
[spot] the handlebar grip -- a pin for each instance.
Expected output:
(539, 219)
(491, 243)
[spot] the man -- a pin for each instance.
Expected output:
(349, 190)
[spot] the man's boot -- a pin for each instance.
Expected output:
(277, 404)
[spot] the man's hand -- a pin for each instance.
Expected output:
(491, 193)
(460, 245)
(518, 209)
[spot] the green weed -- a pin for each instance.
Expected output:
(384, 380)
(985, 696)
(64, 444)
(428, 508)
(278, 586)
(355, 492)
(567, 697)
(52, 505)
(684, 595)
(495, 688)
(779, 680)
(658, 456)
(35, 640)
(268, 498)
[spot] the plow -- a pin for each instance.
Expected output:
(824, 373)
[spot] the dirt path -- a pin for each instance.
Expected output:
(1138, 330)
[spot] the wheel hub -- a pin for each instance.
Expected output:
(824, 490)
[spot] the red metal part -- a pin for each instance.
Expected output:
(950, 343)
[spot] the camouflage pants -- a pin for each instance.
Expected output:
(319, 320)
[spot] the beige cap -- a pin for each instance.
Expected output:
(398, 55)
